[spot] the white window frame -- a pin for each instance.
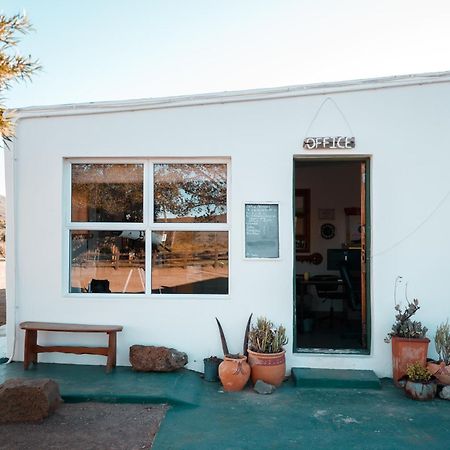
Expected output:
(148, 225)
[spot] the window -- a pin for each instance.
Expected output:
(178, 245)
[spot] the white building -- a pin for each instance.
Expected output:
(191, 208)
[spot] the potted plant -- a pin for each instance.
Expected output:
(234, 371)
(211, 372)
(266, 355)
(420, 383)
(409, 343)
(441, 368)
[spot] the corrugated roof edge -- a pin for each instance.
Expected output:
(231, 96)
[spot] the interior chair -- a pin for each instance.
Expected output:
(352, 296)
(99, 286)
(327, 290)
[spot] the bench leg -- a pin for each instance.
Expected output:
(112, 350)
(30, 354)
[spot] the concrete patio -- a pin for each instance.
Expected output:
(202, 416)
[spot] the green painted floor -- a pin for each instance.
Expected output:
(78, 383)
(202, 416)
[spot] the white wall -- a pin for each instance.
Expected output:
(404, 129)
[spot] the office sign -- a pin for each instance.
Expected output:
(261, 230)
(329, 143)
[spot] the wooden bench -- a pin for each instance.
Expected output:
(32, 348)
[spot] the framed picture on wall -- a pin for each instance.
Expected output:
(326, 213)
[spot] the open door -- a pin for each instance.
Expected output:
(363, 257)
(331, 270)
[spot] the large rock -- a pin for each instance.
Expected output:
(264, 388)
(147, 358)
(28, 400)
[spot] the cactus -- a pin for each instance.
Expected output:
(265, 338)
(442, 342)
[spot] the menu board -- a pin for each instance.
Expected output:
(261, 230)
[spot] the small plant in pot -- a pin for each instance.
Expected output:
(266, 355)
(420, 383)
(211, 364)
(234, 371)
(409, 343)
(441, 368)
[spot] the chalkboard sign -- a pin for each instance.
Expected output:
(261, 230)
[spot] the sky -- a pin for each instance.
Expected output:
(95, 50)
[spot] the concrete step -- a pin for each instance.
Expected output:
(335, 378)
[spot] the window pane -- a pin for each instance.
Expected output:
(107, 261)
(190, 262)
(107, 192)
(190, 193)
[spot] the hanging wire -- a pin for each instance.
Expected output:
(329, 99)
(414, 230)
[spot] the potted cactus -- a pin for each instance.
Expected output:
(420, 383)
(409, 343)
(266, 355)
(441, 368)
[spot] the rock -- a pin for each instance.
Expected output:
(147, 358)
(445, 393)
(264, 388)
(28, 400)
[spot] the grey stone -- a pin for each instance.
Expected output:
(445, 393)
(264, 388)
(147, 358)
(28, 400)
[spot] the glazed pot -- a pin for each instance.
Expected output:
(407, 351)
(234, 373)
(268, 367)
(421, 391)
(440, 371)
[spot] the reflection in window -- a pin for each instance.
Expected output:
(190, 262)
(190, 193)
(107, 261)
(107, 192)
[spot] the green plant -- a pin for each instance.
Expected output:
(418, 373)
(405, 327)
(226, 352)
(12, 65)
(265, 338)
(442, 342)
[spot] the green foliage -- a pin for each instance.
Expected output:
(418, 373)
(405, 327)
(442, 342)
(12, 65)
(265, 338)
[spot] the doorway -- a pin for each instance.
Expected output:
(331, 238)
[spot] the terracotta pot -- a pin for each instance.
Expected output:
(440, 371)
(421, 391)
(234, 373)
(268, 367)
(405, 352)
